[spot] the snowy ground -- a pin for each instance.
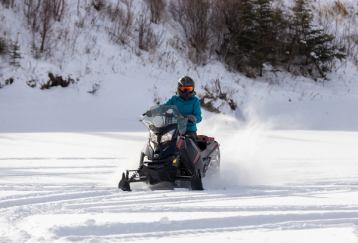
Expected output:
(275, 186)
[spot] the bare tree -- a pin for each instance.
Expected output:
(122, 19)
(8, 3)
(78, 7)
(40, 15)
(147, 39)
(31, 9)
(46, 15)
(221, 12)
(58, 9)
(193, 17)
(157, 8)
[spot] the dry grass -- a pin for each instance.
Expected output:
(340, 8)
(337, 9)
(342, 23)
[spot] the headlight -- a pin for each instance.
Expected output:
(167, 137)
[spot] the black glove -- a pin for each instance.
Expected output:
(191, 118)
(147, 113)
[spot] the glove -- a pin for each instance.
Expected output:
(191, 118)
(147, 113)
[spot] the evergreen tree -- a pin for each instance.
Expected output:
(310, 48)
(266, 30)
(14, 53)
(3, 46)
(253, 36)
(239, 41)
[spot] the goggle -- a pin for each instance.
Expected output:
(186, 88)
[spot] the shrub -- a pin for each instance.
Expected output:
(31, 83)
(213, 94)
(57, 81)
(8, 81)
(147, 39)
(94, 89)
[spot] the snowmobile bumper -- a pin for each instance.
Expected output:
(151, 173)
(156, 172)
(161, 173)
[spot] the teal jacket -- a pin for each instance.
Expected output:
(187, 107)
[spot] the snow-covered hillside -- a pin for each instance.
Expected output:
(129, 79)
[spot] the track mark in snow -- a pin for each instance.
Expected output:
(58, 158)
(52, 198)
(157, 229)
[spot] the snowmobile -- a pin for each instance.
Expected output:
(170, 156)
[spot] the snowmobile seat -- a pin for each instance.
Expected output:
(202, 141)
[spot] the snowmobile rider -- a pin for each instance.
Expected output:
(187, 103)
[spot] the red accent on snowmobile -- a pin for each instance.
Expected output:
(197, 157)
(203, 138)
(180, 143)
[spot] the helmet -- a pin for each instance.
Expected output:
(186, 88)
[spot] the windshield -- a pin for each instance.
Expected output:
(164, 115)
